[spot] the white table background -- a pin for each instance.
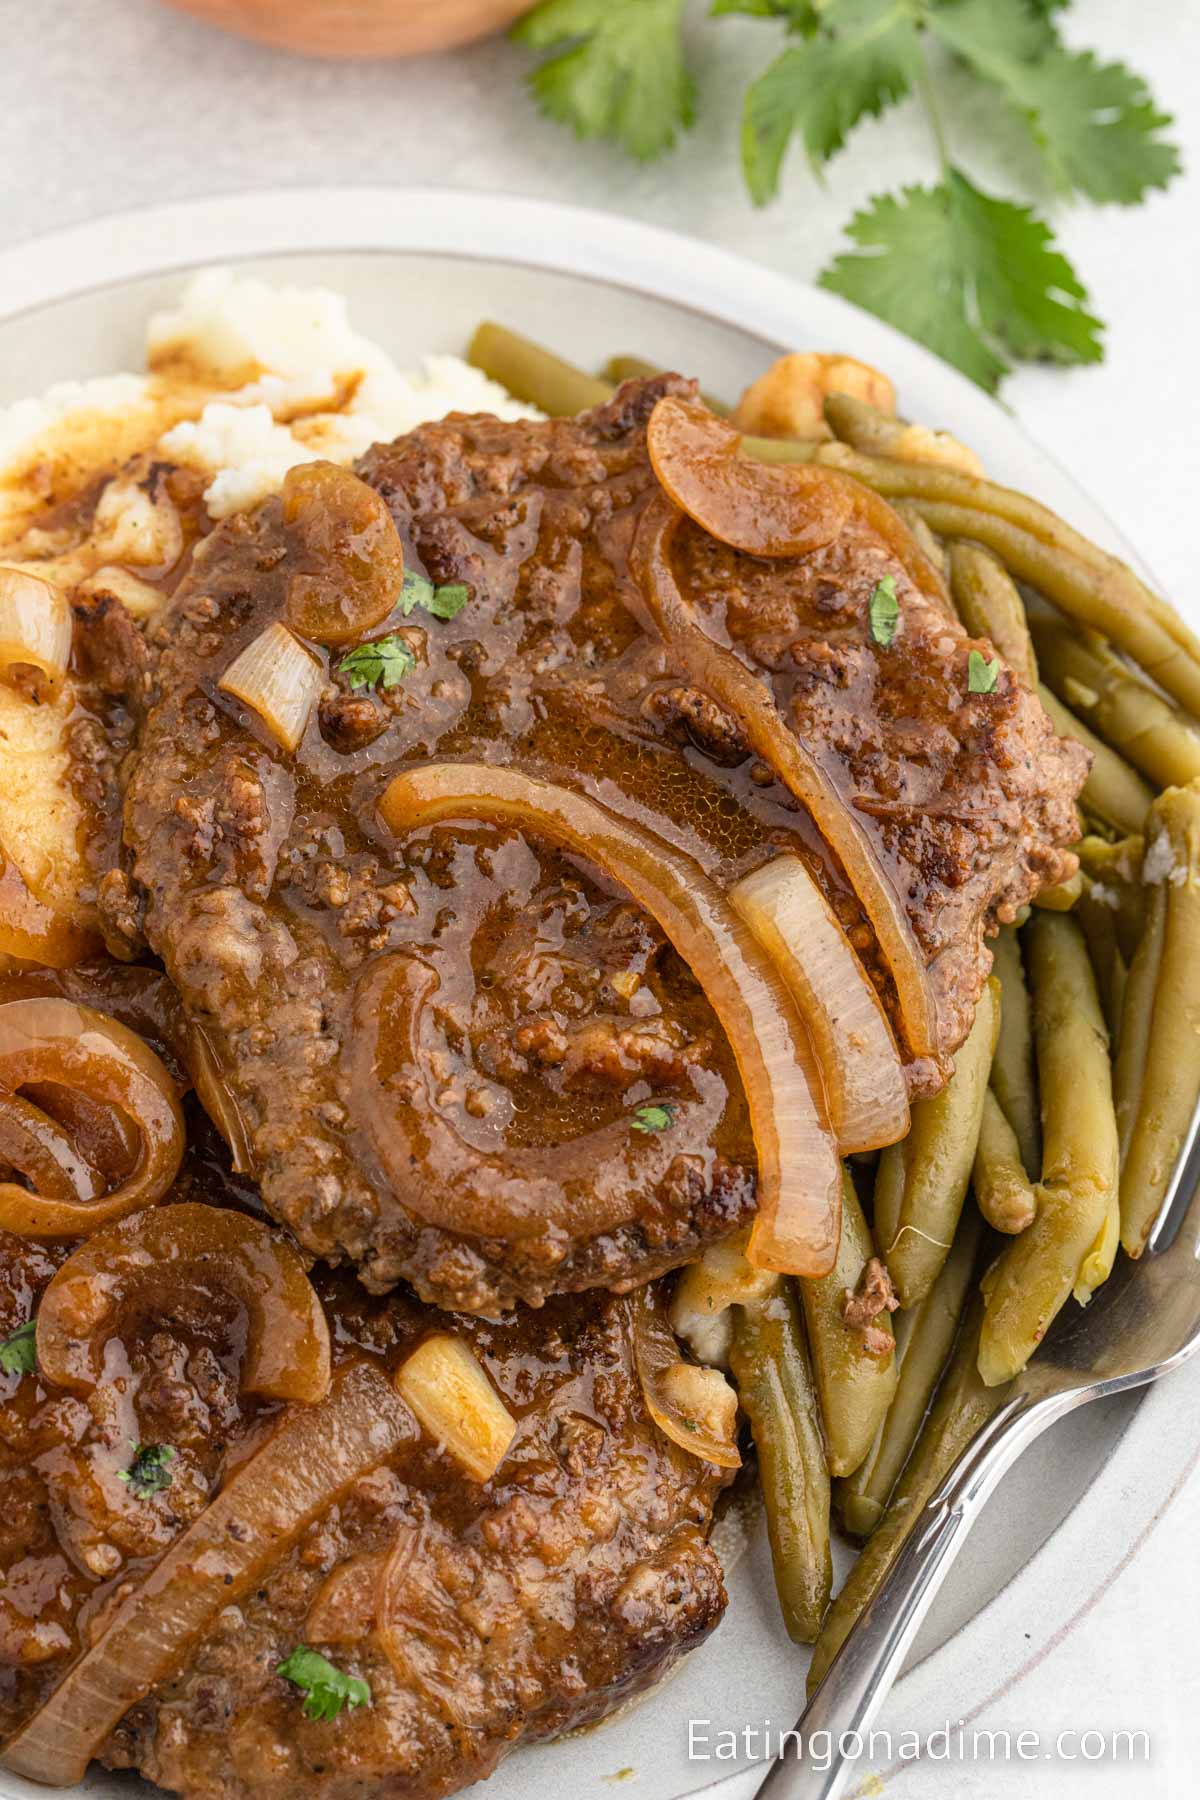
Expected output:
(107, 104)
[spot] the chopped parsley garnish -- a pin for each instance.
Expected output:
(383, 663)
(885, 611)
(18, 1353)
(149, 1473)
(443, 602)
(659, 1117)
(326, 1688)
(981, 674)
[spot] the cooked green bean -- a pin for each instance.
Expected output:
(931, 546)
(1157, 1109)
(1072, 1241)
(770, 1364)
(1014, 1081)
(1115, 874)
(1002, 1188)
(1099, 922)
(855, 1383)
(533, 374)
(1113, 791)
(924, 1335)
(937, 483)
(1091, 595)
(922, 1181)
(963, 1404)
(1137, 1021)
(1060, 896)
(990, 606)
(1127, 714)
(635, 368)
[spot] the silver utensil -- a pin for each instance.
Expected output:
(1144, 1322)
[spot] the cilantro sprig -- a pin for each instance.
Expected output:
(382, 663)
(884, 611)
(443, 602)
(982, 672)
(658, 1117)
(150, 1471)
(18, 1352)
(976, 276)
(326, 1688)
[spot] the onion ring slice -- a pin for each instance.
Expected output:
(721, 672)
(53, 1040)
(309, 1463)
(655, 1354)
(287, 1339)
(848, 1028)
(37, 1145)
(799, 1214)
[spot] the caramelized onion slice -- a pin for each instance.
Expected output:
(767, 509)
(35, 629)
(344, 551)
(316, 1454)
(695, 1407)
(50, 1040)
(287, 1340)
(217, 1098)
(799, 1206)
(799, 930)
(279, 680)
(721, 673)
(33, 931)
(37, 1145)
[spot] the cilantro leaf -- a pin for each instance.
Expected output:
(885, 611)
(18, 1353)
(654, 1118)
(443, 602)
(326, 1687)
(381, 663)
(149, 1473)
(1096, 123)
(864, 59)
(621, 74)
(800, 15)
(968, 275)
(981, 674)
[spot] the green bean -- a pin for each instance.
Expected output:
(1137, 1021)
(1060, 896)
(1157, 1109)
(878, 434)
(1113, 791)
(855, 1386)
(922, 1180)
(1099, 922)
(924, 1335)
(990, 606)
(533, 374)
(636, 368)
(1127, 714)
(1115, 874)
(928, 483)
(1072, 1241)
(931, 546)
(770, 1364)
(1013, 1081)
(962, 1406)
(1002, 1188)
(1092, 596)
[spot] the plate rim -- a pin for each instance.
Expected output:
(1057, 1586)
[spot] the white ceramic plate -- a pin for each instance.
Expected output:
(420, 268)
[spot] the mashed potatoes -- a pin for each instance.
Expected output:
(243, 381)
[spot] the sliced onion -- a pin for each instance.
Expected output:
(767, 509)
(657, 1359)
(172, 1248)
(799, 1206)
(279, 680)
(51, 1040)
(35, 932)
(799, 930)
(455, 1403)
(35, 628)
(345, 558)
(316, 1454)
(721, 673)
(217, 1099)
(37, 1145)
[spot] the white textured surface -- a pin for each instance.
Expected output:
(110, 103)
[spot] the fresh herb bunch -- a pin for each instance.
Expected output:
(976, 277)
